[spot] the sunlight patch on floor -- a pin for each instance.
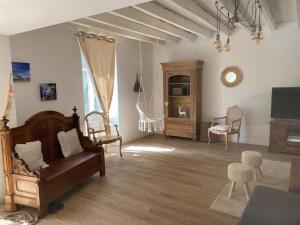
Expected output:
(138, 149)
(107, 155)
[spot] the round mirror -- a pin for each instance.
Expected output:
(231, 76)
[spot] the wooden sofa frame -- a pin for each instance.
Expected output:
(38, 188)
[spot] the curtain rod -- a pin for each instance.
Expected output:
(90, 35)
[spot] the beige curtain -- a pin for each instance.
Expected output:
(100, 55)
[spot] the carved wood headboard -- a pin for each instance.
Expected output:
(44, 127)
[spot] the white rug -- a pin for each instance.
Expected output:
(275, 175)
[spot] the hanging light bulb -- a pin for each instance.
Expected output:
(253, 35)
(227, 46)
(218, 44)
(220, 49)
(260, 35)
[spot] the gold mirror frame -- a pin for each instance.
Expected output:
(239, 76)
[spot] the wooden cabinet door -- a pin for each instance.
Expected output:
(178, 95)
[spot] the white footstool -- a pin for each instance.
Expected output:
(239, 173)
(254, 160)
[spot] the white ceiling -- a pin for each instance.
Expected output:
(283, 10)
(18, 16)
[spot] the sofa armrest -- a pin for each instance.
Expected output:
(93, 146)
(20, 167)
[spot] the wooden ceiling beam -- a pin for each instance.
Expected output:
(128, 25)
(137, 16)
(109, 30)
(193, 11)
(160, 12)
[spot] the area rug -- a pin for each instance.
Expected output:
(18, 218)
(275, 175)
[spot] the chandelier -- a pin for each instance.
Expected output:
(249, 17)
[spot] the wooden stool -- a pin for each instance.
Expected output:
(239, 173)
(254, 160)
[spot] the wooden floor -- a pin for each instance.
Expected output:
(158, 182)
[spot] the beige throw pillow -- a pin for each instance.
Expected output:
(31, 153)
(69, 142)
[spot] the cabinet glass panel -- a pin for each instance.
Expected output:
(179, 96)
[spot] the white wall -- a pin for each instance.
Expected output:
(54, 56)
(5, 69)
(275, 62)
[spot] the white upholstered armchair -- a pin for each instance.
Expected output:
(232, 125)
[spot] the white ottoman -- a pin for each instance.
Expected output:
(239, 173)
(254, 160)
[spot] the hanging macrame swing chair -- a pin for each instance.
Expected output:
(146, 122)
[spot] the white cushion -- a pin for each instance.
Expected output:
(252, 158)
(239, 172)
(31, 153)
(69, 142)
(221, 127)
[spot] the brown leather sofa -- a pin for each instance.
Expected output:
(38, 188)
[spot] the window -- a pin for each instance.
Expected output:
(90, 98)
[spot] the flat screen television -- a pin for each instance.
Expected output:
(286, 103)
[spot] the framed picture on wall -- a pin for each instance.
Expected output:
(48, 91)
(21, 71)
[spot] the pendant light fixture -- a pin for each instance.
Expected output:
(249, 17)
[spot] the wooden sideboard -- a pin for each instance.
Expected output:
(283, 136)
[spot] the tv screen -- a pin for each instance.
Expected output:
(286, 103)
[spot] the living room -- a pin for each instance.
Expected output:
(177, 66)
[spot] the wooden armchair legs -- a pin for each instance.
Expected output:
(226, 135)
(106, 142)
(120, 148)
(208, 134)
(226, 141)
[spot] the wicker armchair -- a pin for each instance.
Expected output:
(232, 125)
(98, 131)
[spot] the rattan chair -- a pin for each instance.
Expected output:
(98, 131)
(232, 125)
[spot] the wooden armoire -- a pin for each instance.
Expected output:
(182, 98)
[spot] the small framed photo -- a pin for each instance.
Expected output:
(21, 71)
(48, 91)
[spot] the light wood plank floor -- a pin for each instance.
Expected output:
(159, 182)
